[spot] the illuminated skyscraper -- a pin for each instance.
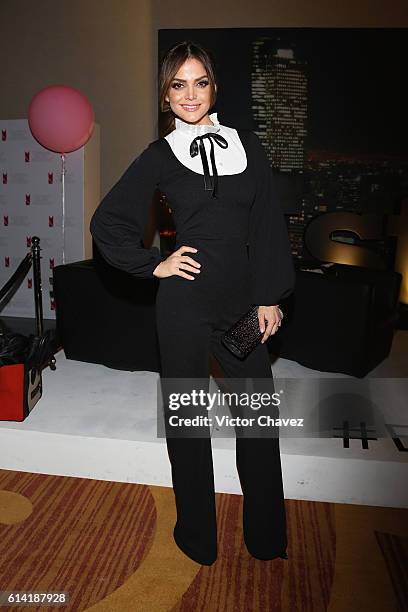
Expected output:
(279, 103)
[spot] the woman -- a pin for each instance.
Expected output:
(220, 187)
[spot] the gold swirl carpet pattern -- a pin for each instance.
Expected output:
(109, 546)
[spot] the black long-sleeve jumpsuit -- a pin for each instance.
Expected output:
(192, 315)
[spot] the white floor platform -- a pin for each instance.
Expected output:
(96, 422)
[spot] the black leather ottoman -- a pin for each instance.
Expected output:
(340, 321)
(106, 316)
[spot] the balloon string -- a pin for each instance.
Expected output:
(63, 170)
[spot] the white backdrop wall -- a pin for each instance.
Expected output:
(31, 205)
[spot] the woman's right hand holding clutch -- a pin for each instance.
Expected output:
(178, 264)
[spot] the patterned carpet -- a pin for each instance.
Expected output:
(109, 546)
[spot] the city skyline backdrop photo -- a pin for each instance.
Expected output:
(328, 106)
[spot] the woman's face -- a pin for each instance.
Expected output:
(189, 93)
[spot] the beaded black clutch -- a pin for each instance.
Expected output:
(244, 335)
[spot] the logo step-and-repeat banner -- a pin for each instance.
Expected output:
(31, 205)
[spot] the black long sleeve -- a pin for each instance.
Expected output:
(118, 224)
(271, 263)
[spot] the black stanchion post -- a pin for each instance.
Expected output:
(35, 249)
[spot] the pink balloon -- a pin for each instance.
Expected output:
(60, 118)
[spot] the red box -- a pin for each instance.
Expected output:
(20, 390)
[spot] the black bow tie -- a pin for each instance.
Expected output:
(195, 147)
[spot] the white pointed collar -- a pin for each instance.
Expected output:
(192, 130)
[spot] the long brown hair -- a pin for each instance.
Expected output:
(170, 64)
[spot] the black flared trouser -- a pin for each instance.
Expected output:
(191, 320)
